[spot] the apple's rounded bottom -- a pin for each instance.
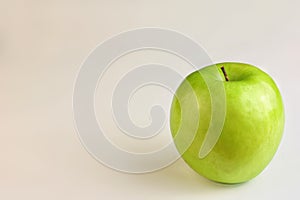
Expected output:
(230, 183)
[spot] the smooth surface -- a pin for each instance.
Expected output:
(253, 124)
(42, 45)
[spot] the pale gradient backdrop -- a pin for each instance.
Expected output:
(42, 45)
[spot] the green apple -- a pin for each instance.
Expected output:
(250, 131)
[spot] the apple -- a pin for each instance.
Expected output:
(250, 132)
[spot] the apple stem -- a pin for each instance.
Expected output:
(225, 74)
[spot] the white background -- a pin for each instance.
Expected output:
(42, 45)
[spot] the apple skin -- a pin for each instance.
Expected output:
(252, 130)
